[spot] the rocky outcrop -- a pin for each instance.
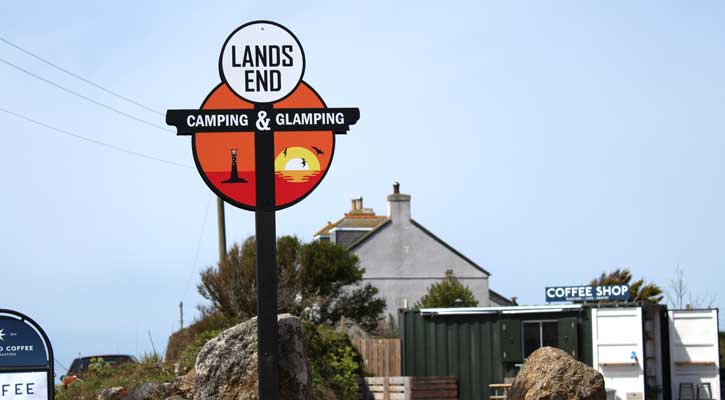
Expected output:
(149, 391)
(226, 367)
(114, 393)
(353, 331)
(552, 374)
(184, 385)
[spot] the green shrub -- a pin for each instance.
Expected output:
(344, 380)
(447, 293)
(334, 361)
(311, 275)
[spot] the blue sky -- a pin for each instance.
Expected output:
(547, 141)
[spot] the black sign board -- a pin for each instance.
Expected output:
(26, 359)
(587, 293)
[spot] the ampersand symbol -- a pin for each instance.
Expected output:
(262, 121)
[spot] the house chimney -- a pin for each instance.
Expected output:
(398, 205)
(354, 205)
(359, 203)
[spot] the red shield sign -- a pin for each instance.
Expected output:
(226, 160)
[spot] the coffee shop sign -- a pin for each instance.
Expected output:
(587, 293)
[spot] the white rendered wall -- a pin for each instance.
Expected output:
(402, 261)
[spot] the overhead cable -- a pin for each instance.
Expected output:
(109, 91)
(94, 141)
(36, 76)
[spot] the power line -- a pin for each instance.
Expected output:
(84, 97)
(59, 363)
(198, 245)
(94, 141)
(109, 91)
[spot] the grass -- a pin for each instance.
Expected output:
(99, 376)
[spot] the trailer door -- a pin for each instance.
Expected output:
(694, 353)
(617, 344)
(568, 336)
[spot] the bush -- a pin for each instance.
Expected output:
(448, 293)
(321, 277)
(101, 375)
(638, 291)
(334, 361)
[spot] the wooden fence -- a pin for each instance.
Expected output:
(381, 356)
(409, 388)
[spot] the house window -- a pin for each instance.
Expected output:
(538, 334)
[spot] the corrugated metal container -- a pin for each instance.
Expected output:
(642, 350)
(479, 348)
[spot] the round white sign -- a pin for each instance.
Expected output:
(262, 62)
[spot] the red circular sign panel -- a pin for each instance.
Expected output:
(226, 161)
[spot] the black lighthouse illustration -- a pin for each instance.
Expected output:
(234, 175)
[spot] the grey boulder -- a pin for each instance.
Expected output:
(148, 391)
(226, 367)
(113, 393)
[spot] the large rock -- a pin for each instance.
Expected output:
(113, 393)
(552, 374)
(353, 331)
(184, 385)
(226, 367)
(149, 391)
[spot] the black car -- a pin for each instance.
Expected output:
(79, 365)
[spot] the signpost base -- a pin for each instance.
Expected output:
(267, 305)
(266, 235)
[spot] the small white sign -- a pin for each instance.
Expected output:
(24, 385)
(262, 62)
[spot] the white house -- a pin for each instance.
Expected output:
(401, 257)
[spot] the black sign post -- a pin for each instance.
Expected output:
(266, 236)
(262, 92)
(26, 358)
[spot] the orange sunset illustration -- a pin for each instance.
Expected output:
(227, 162)
(297, 164)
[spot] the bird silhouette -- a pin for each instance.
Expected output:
(285, 152)
(304, 162)
(317, 150)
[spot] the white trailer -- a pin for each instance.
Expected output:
(618, 351)
(650, 353)
(694, 354)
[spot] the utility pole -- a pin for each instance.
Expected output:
(181, 315)
(221, 224)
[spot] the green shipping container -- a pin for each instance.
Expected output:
(487, 347)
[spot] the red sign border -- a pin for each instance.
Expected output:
(234, 202)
